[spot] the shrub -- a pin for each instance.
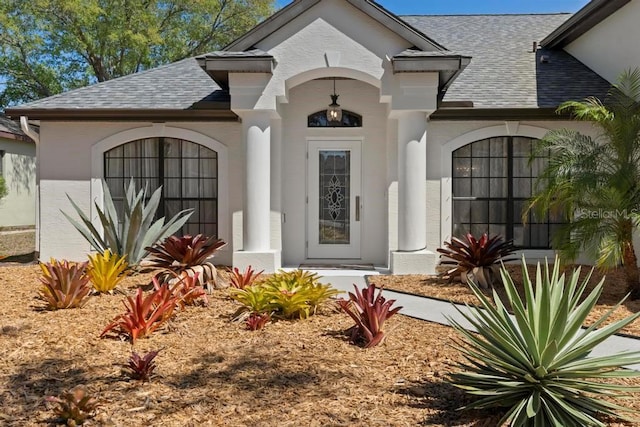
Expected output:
(134, 232)
(476, 259)
(3, 188)
(106, 270)
(186, 254)
(241, 280)
(144, 315)
(370, 312)
(65, 284)
(141, 368)
(75, 406)
(537, 363)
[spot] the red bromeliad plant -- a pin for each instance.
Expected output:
(257, 321)
(369, 311)
(241, 280)
(188, 254)
(186, 289)
(476, 259)
(141, 368)
(144, 314)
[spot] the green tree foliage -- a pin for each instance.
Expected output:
(50, 46)
(595, 182)
(3, 188)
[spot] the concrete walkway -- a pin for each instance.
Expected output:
(437, 311)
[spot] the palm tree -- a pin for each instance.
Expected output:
(594, 183)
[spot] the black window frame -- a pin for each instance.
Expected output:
(511, 201)
(201, 218)
(349, 120)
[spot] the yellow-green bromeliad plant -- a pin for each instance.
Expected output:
(537, 363)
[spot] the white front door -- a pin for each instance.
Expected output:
(334, 199)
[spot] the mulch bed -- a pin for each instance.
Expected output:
(614, 290)
(214, 372)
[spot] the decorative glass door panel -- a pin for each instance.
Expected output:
(334, 199)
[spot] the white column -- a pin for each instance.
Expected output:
(412, 175)
(257, 186)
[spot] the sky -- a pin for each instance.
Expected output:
(451, 7)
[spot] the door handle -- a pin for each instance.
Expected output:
(358, 208)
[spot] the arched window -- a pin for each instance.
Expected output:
(349, 120)
(492, 181)
(187, 171)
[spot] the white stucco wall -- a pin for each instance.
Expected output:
(19, 171)
(331, 34)
(611, 46)
(309, 98)
(67, 167)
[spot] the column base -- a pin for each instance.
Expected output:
(269, 261)
(419, 262)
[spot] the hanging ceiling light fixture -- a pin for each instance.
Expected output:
(334, 112)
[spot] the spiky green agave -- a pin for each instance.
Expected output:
(537, 362)
(130, 235)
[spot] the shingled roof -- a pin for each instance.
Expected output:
(504, 71)
(179, 86)
(10, 129)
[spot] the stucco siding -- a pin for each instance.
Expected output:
(68, 168)
(19, 172)
(611, 46)
(331, 34)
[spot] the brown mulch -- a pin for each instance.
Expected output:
(214, 372)
(614, 290)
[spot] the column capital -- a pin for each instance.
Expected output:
(257, 115)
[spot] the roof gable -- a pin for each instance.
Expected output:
(582, 21)
(370, 8)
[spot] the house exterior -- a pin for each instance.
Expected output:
(18, 168)
(439, 117)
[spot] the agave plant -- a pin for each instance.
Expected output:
(66, 284)
(106, 270)
(476, 259)
(537, 364)
(370, 312)
(137, 230)
(187, 254)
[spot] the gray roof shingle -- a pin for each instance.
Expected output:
(504, 71)
(176, 86)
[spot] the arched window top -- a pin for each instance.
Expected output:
(349, 120)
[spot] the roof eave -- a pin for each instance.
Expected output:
(448, 67)
(210, 113)
(582, 21)
(465, 114)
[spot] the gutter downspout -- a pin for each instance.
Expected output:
(24, 125)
